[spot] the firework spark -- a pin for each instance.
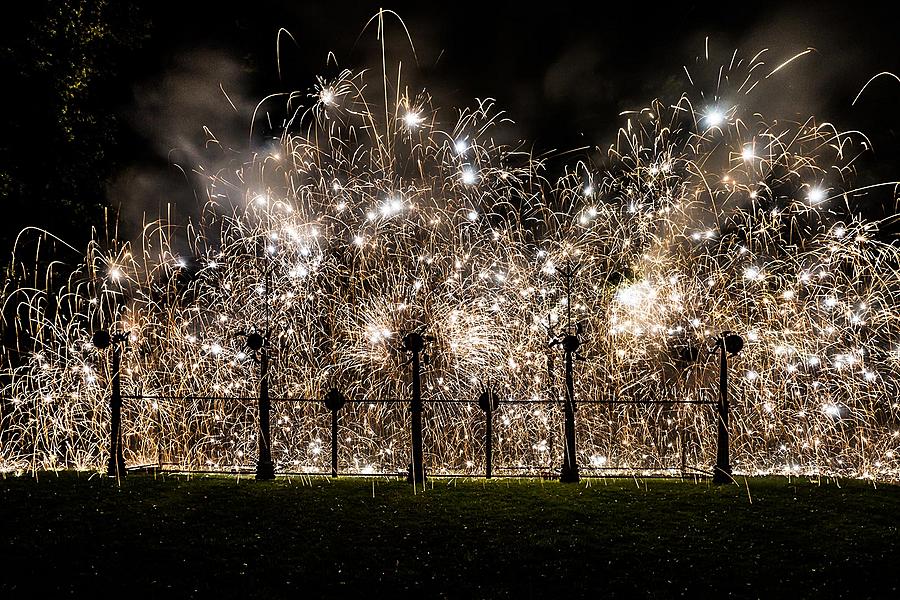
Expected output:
(368, 221)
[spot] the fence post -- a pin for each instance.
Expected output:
(415, 343)
(722, 471)
(489, 442)
(729, 343)
(569, 472)
(334, 401)
(552, 398)
(265, 468)
(488, 402)
(115, 466)
(334, 443)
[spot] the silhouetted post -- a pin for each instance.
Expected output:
(415, 343)
(570, 343)
(115, 466)
(569, 472)
(722, 472)
(552, 395)
(488, 443)
(489, 402)
(728, 344)
(334, 401)
(334, 443)
(265, 468)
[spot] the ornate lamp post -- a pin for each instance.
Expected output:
(570, 342)
(259, 343)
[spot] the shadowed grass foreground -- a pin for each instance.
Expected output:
(223, 537)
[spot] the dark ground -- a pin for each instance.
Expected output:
(221, 537)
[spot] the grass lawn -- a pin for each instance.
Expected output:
(223, 537)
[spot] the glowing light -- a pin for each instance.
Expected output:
(391, 207)
(832, 410)
(412, 119)
(753, 274)
(714, 118)
(816, 196)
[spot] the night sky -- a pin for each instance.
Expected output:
(563, 72)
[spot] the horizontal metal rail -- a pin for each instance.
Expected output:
(523, 472)
(175, 397)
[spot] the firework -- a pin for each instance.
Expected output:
(376, 214)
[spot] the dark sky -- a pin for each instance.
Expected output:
(563, 71)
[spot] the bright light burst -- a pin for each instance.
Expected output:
(816, 195)
(714, 118)
(374, 221)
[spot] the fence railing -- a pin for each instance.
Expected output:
(489, 402)
(488, 469)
